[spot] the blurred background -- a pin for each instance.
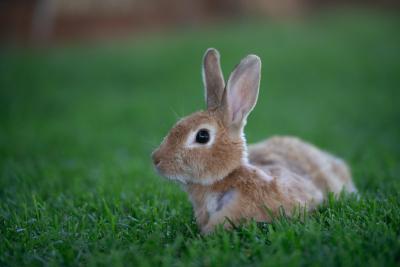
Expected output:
(43, 21)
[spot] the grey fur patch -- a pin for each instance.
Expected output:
(224, 199)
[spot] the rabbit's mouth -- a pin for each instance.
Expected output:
(158, 168)
(163, 171)
(158, 162)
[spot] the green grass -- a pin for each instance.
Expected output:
(78, 124)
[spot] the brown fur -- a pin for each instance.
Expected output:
(327, 172)
(255, 197)
(221, 179)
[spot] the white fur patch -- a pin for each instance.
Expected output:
(207, 181)
(177, 178)
(265, 177)
(191, 138)
(212, 202)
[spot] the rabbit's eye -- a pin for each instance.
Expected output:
(202, 136)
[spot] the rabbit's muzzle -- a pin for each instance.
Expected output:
(156, 158)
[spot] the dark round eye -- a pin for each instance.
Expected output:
(202, 136)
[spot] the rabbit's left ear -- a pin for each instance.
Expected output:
(242, 91)
(213, 79)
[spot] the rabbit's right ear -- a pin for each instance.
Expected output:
(242, 91)
(213, 79)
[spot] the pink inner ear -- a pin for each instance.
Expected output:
(238, 99)
(242, 88)
(235, 110)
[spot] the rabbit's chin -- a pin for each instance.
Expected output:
(188, 180)
(172, 177)
(205, 181)
(176, 178)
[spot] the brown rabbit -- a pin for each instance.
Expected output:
(207, 153)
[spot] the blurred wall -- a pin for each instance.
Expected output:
(43, 21)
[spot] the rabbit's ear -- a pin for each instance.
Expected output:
(213, 78)
(242, 91)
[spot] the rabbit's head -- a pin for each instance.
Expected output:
(207, 145)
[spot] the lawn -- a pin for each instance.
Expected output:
(78, 124)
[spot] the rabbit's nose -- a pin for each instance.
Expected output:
(156, 158)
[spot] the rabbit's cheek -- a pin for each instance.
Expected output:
(188, 161)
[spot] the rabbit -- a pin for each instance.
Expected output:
(228, 182)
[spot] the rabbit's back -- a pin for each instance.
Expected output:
(327, 172)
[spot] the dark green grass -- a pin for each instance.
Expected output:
(77, 126)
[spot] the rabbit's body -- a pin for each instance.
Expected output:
(248, 192)
(283, 172)
(207, 153)
(327, 172)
